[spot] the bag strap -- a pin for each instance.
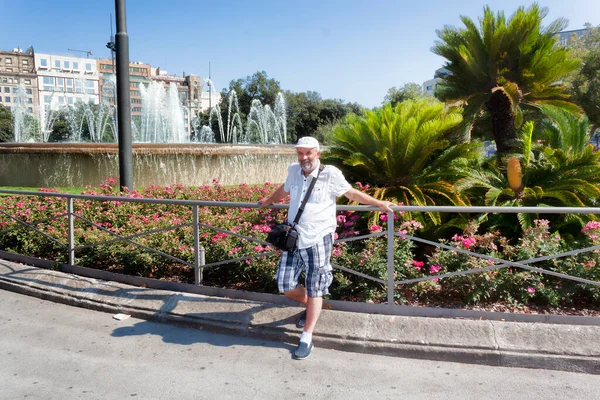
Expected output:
(310, 188)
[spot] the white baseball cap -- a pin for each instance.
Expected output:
(308, 142)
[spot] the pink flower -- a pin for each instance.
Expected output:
(434, 269)
(531, 290)
(383, 217)
(375, 228)
(234, 250)
(418, 264)
(468, 242)
(337, 251)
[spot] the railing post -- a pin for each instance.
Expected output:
(199, 256)
(71, 231)
(390, 257)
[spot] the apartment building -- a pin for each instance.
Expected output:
(18, 83)
(139, 75)
(430, 85)
(64, 80)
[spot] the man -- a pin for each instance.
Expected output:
(315, 227)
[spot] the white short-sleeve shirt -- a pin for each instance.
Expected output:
(318, 218)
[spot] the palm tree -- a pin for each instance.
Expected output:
(402, 152)
(563, 130)
(503, 67)
(549, 178)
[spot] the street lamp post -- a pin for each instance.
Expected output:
(123, 100)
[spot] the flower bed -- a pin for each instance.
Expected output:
(507, 288)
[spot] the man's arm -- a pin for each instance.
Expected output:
(279, 194)
(364, 198)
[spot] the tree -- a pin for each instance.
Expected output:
(6, 125)
(408, 91)
(402, 152)
(309, 115)
(503, 67)
(60, 129)
(258, 86)
(584, 85)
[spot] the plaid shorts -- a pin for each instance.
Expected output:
(314, 261)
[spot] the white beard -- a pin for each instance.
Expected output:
(308, 166)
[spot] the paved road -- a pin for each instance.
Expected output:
(54, 351)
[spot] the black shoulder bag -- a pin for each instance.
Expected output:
(285, 236)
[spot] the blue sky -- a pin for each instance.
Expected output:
(353, 50)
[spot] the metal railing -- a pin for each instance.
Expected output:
(199, 265)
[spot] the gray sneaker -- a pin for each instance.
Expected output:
(303, 350)
(301, 320)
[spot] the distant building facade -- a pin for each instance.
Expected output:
(431, 85)
(64, 80)
(17, 70)
(52, 82)
(564, 36)
(139, 75)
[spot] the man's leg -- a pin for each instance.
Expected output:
(318, 278)
(298, 294)
(313, 310)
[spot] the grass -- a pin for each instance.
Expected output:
(69, 190)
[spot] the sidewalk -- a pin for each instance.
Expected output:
(511, 344)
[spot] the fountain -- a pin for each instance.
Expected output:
(82, 164)
(264, 125)
(162, 152)
(162, 115)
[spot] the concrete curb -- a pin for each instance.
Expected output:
(512, 344)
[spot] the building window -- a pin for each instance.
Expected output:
(8, 61)
(29, 110)
(9, 70)
(88, 66)
(56, 63)
(7, 99)
(28, 81)
(75, 65)
(48, 80)
(44, 62)
(47, 99)
(67, 65)
(6, 90)
(25, 62)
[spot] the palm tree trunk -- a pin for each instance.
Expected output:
(503, 122)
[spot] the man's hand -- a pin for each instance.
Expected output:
(279, 194)
(264, 202)
(385, 205)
